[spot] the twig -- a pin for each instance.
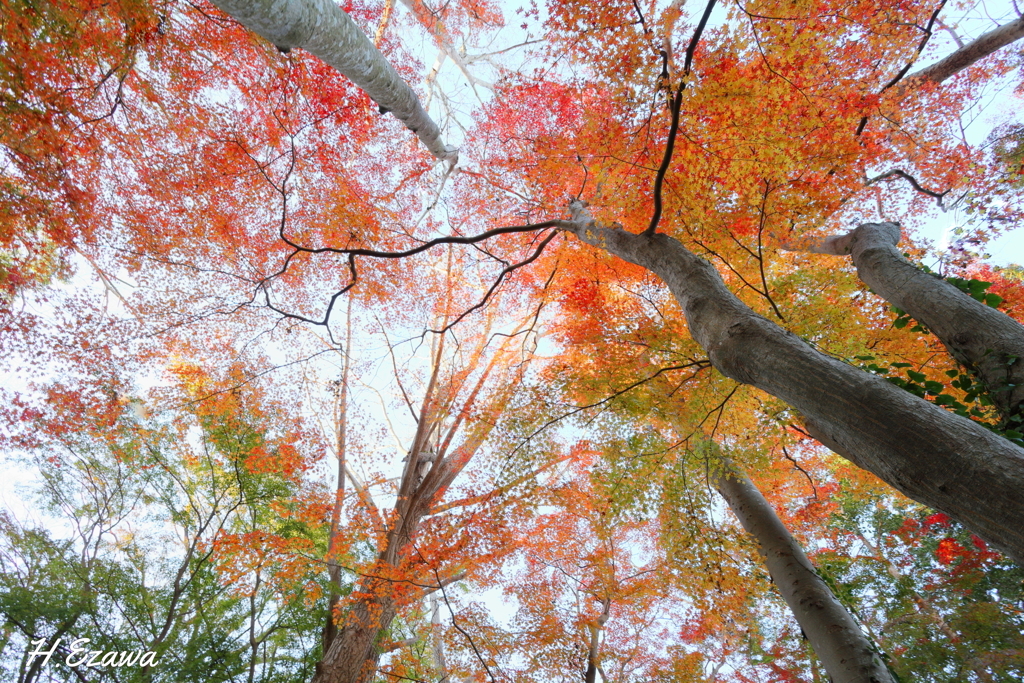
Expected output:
(797, 465)
(455, 623)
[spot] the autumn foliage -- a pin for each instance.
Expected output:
(265, 367)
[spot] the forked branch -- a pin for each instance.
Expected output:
(897, 173)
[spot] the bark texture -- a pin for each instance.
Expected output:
(933, 456)
(355, 652)
(838, 641)
(984, 340)
(322, 28)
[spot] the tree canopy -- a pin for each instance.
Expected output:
(317, 347)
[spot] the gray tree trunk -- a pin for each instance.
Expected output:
(984, 340)
(322, 28)
(977, 49)
(838, 641)
(931, 455)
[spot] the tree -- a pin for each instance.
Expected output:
(922, 450)
(234, 181)
(417, 555)
(877, 427)
(330, 34)
(845, 651)
(167, 547)
(924, 587)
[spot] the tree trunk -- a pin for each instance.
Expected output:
(986, 341)
(838, 641)
(931, 455)
(355, 651)
(322, 28)
(341, 451)
(977, 49)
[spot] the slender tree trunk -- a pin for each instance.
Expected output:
(984, 340)
(322, 28)
(437, 642)
(931, 455)
(594, 646)
(341, 448)
(838, 641)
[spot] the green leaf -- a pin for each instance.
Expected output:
(978, 287)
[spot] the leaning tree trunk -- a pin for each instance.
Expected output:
(986, 341)
(972, 52)
(931, 455)
(838, 641)
(322, 28)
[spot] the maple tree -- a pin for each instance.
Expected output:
(418, 550)
(227, 191)
(838, 641)
(950, 608)
(987, 504)
(177, 548)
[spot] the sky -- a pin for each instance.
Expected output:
(460, 99)
(1005, 249)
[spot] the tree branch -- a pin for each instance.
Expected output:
(897, 173)
(325, 30)
(959, 60)
(677, 103)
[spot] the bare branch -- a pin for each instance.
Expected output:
(897, 173)
(677, 103)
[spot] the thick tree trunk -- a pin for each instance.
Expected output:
(931, 455)
(984, 340)
(838, 641)
(355, 650)
(322, 28)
